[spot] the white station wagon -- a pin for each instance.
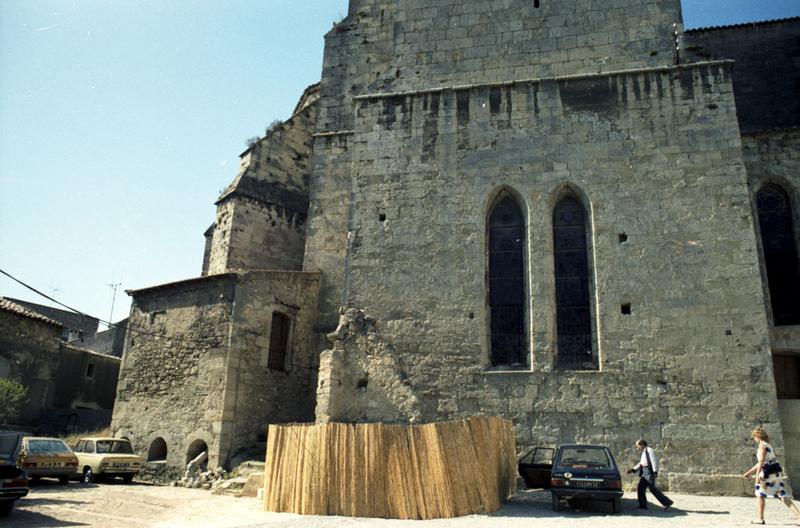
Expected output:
(107, 457)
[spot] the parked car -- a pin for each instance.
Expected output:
(574, 472)
(13, 481)
(107, 457)
(47, 457)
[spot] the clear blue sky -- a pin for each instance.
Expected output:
(120, 122)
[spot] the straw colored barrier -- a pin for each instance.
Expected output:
(431, 471)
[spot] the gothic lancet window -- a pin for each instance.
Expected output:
(507, 283)
(573, 312)
(780, 254)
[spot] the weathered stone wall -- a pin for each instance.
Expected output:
(766, 77)
(386, 46)
(773, 156)
(173, 374)
(255, 394)
(29, 354)
(261, 216)
(79, 387)
(195, 366)
(655, 155)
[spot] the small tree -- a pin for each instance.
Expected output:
(12, 396)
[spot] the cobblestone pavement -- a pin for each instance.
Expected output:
(119, 506)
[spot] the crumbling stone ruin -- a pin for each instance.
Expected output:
(571, 214)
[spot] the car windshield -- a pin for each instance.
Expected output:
(8, 443)
(40, 447)
(114, 446)
(584, 458)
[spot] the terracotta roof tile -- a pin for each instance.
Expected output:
(12, 307)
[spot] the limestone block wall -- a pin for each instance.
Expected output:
(327, 235)
(773, 156)
(766, 76)
(387, 46)
(172, 377)
(257, 395)
(654, 155)
(85, 379)
(790, 420)
(261, 216)
(29, 354)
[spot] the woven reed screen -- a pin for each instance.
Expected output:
(438, 470)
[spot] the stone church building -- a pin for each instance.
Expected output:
(571, 214)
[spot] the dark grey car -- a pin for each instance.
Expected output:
(13, 481)
(574, 472)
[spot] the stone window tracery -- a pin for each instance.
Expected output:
(573, 310)
(506, 277)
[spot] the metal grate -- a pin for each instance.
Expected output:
(780, 254)
(507, 284)
(573, 315)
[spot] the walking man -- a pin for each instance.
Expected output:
(648, 471)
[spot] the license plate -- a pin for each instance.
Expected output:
(584, 484)
(119, 465)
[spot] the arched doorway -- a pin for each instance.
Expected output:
(157, 451)
(195, 448)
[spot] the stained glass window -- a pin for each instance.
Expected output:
(573, 313)
(507, 296)
(780, 254)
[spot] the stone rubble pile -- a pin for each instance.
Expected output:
(205, 479)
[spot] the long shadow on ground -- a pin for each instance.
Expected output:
(536, 503)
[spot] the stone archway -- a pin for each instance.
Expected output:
(157, 451)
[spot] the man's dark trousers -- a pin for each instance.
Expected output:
(648, 481)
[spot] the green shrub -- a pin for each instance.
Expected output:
(12, 397)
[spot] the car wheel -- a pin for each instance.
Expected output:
(5, 507)
(556, 502)
(63, 480)
(127, 479)
(88, 475)
(616, 505)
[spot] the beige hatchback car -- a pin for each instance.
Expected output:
(107, 457)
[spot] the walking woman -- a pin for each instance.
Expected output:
(769, 477)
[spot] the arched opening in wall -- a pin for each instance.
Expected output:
(779, 246)
(506, 288)
(157, 451)
(195, 449)
(573, 309)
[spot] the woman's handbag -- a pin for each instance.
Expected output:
(772, 468)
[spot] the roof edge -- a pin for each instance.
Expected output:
(744, 24)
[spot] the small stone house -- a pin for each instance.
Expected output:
(68, 388)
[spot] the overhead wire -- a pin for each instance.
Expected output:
(130, 328)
